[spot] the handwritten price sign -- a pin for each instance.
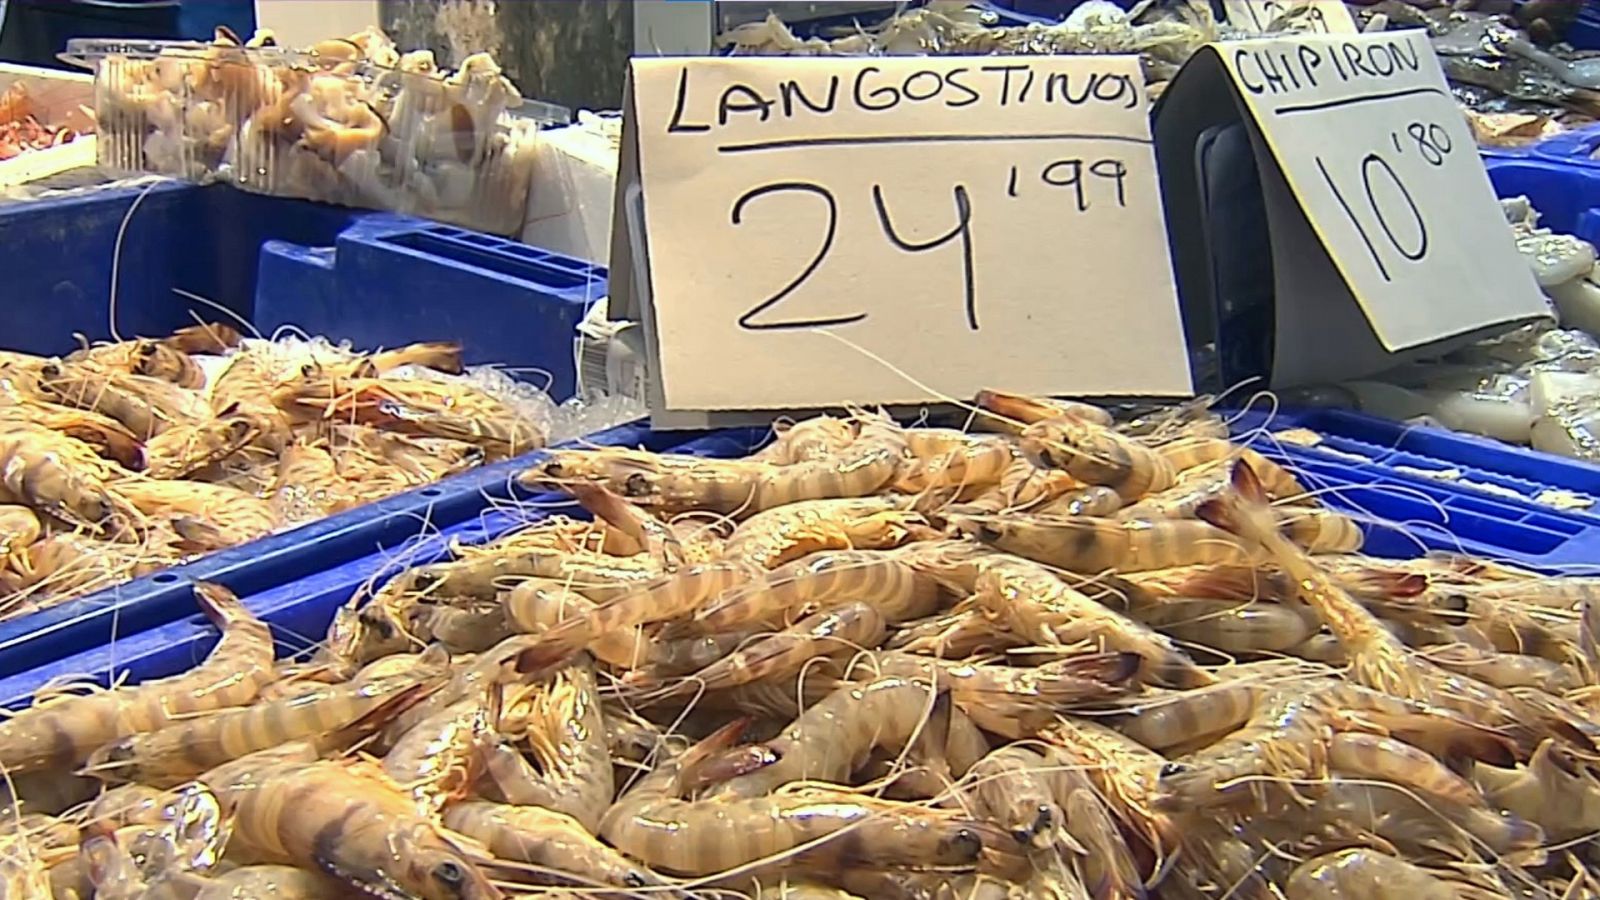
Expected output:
(1381, 161)
(1315, 16)
(890, 230)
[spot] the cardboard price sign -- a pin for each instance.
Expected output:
(1374, 191)
(819, 231)
(1314, 16)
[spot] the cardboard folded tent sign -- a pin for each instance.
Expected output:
(856, 230)
(1329, 214)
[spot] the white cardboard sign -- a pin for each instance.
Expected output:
(1317, 16)
(1380, 159)
(822, 231)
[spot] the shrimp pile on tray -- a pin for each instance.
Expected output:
(20, 128)
(1072, 658)
(124, 458)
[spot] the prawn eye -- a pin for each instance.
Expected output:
(636, 486)
(450, 874)
(1173, 769)
(554, 469)
(635, 879)
(375, 621)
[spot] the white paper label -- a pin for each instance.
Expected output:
(1314, 16)
(901, 230)
(1382, 162)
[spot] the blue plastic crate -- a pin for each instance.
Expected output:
(1503, 522)
(516, 304)
(300, 611)
(58, 256)
(389, 280)
(105, 616)
(1566, 194)
(374, 279)
(1583, 34)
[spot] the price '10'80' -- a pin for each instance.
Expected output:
(1085, 182)
(1391, 204)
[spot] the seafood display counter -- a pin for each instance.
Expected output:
(1070, 615)
(149, 258)
(1400, 518)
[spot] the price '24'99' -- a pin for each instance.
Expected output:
(1387, 197)
(1081, 180)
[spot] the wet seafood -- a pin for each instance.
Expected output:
(937, 711)
(121, 459)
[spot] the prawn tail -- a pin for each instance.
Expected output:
(1381, 583)
(545, 655)
(1244, 479)
(1453, 740)
(441, 356)
(118, 446)
(716, 768)
(1234, 510)
(601, 503)
(1177, 670)
(197, 536)
(374, 719)
(1015, 407)
(716, 758)
(212, 338)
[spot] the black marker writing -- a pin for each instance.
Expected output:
(1388, 200)
(747, 320)
(1101, 180)
(1279, 69)
(963, 230)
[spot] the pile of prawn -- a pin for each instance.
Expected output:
(124, 458)
(1068, 658)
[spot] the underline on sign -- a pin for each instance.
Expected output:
(1351, 101)
(791, 143)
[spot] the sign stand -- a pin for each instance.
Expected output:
(1385, 240)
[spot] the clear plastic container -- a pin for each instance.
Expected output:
(457, 147)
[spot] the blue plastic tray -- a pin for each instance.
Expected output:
(394, 282)
(1508, 526)
(1566, 193)
(299, 611)
(374, 279)
(389, 280)
(57, 255)
(106, 616)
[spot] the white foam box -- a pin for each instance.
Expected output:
(570, 199)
